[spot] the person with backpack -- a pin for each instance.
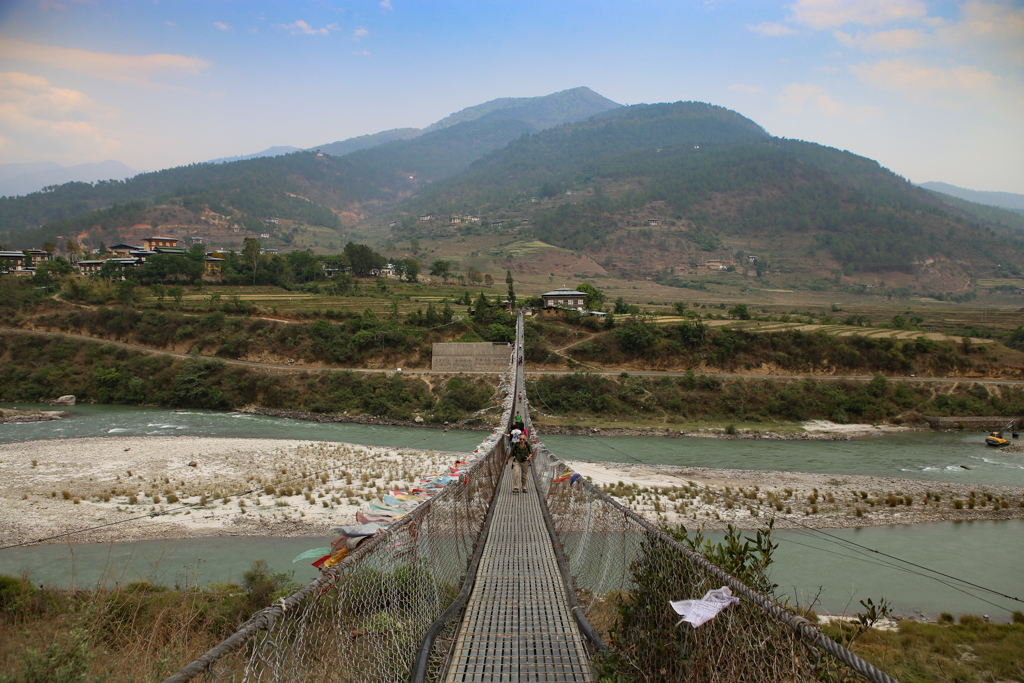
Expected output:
(520, 454)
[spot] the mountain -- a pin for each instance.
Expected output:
(22, 179)
(640, 192)
(268, 152)
(343, 147)
(652, 191)
(384, 173)
(539, 113)
(1004, 200)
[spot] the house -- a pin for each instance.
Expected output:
(269, 250)
(455, 219)
(426, 217)
(90, 266)
(264, 235)
(152, 243)
(563, 297)
(534, 200)
(472, 219)
(213, 265)
(653, 221)
(751, 259)
(11, 261)
(171, 251)
(193, 240)
(124, 250)
(37, 255)
(141, 254)
(715, 264)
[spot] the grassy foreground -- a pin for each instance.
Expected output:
(129, 634)
(969, 650)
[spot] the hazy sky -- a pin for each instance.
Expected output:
(932, 90)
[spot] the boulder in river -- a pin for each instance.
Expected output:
(68, 400)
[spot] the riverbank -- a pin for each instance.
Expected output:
(186, 487)
(17, 415)
(715, 498)
(815, 430)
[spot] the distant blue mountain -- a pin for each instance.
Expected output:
(268, 152)
(21, 179)
(1004, 200)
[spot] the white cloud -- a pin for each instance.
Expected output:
(895, 40)
(796, 96)
(811, 99)
(822, 14)
(134, 69)
(37, 118)
(360, 32)
(386, 5)
(361, 53)
(767, 28)
(990, 31)
(222, 26)
(915, 78)
(169, 23)
(302, 27)
(741, 87)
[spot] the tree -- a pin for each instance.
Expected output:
(158, 291)
(73, 250)
(488, 280)
(251, 251)
(621, 307)
(177, 292)
(474, 276)
(511, 292)
(126, 291)
(595, 297)
(363, 259)
(411, 269)
(680, 307)
(441, 269)
(414, 245)
(740, 311)
(49, 248)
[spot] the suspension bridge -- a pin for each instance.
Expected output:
(557, 583)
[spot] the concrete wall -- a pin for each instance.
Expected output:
(470, 357)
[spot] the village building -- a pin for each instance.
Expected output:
(37, 255)
(153, 243)
(214, 265)
(563, 297)
(11, 261)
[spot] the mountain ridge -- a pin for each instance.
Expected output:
(1002, 200)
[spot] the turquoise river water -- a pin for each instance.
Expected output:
(990, 554)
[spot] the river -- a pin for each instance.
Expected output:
(807, 564)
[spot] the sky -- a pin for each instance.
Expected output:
(932, 90)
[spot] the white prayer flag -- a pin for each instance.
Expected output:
(697, 612)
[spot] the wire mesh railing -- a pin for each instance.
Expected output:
(363, 619)
(626, 571)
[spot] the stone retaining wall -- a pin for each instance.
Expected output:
(970, 424)
(470, 357)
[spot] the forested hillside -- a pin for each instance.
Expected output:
(646, 191)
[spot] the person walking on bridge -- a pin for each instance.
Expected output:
(520, 453)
